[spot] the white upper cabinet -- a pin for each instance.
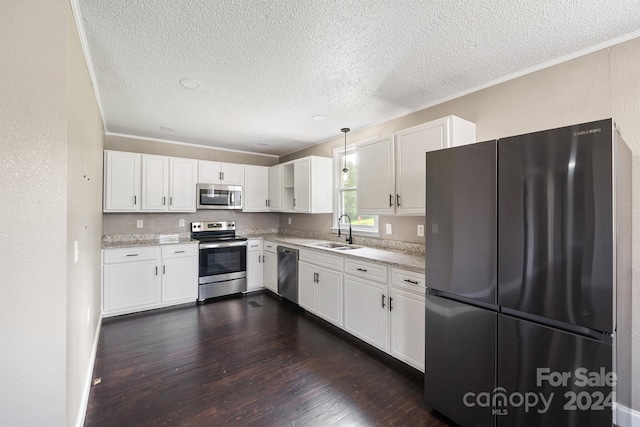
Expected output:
(134, 182)
(275, 188)
(307, 185)
(376, 191)
(391, 174)
(121, 182)
(155, 183)
(182, 184)
(256, 189)
(210, 172)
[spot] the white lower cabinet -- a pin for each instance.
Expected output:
(270, 266)
(179, 273)
(254, 265)
(365, 311)
(320, 288)
(144, 278)
(406, 307)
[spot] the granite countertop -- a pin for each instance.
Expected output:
(136, 241)
(408, 260)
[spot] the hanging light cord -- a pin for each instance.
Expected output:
(345, 130)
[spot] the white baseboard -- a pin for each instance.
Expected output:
(626, 417)
(82, 412)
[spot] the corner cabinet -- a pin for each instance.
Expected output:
(404, 177)
(307, 185)
(145, 278)
(256, 189)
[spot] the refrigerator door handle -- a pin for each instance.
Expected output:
(465, 300)
(603, 337)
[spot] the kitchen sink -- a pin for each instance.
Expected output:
(335, 245)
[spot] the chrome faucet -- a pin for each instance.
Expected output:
(350, 238)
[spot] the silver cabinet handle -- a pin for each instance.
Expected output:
(390, 304)
(383, 301)
(398, 200)
(135, 200)
(220, 176)
(390, 200)
(133, 254)
(164, 200)
(171, 201)
(179, 252)
(156, 270)
(364, 270)
(164, 269)
(413, 282)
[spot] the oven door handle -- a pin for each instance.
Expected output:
(221, 245)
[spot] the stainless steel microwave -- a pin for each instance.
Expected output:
(219, 196)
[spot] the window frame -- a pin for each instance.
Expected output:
(372, 231)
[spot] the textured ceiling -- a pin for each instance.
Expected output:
(267, 67)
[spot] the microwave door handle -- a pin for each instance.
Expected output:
(231, 198)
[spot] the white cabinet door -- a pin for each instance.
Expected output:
(180, 279)
(210, 172)
(302, 184)
(121, 181)
(130, 286)
(411, 145)
(155, 183)
(254, 264)
(365, 311)
(256, 189)
(275, 188)
(330, 295)
(270, 270)
(307, 287)
(407, 327)
(376, 192)
(182, 184)
(232, 173)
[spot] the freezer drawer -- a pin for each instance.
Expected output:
(538, 362)
(460, 357)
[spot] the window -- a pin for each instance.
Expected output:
(346, 194)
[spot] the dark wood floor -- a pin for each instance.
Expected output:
(250, 360)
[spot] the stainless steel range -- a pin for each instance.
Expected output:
(223, 259)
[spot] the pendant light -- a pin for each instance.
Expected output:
(345, 170)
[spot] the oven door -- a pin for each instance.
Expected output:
(217, 196)
(222, 261)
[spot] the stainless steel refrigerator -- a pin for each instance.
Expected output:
(528, 275)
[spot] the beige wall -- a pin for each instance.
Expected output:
(147, 146)
(85, 141)
(599, 85)
(33, 213)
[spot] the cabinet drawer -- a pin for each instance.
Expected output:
(254, 245)
(321, 259)
(178, 251)
(409, 280)
(144, 253)
(367, 270)
(270, 247)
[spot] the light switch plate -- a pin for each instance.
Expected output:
(289, 221)
(388, 228)
(139, 223)
(420, 230)
(181, 222)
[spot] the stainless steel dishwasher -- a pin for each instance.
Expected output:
(288, 273)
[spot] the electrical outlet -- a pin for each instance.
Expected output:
(388, 228)
(420, 230)
(181, 222)
(139, 223)
(289, 220)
